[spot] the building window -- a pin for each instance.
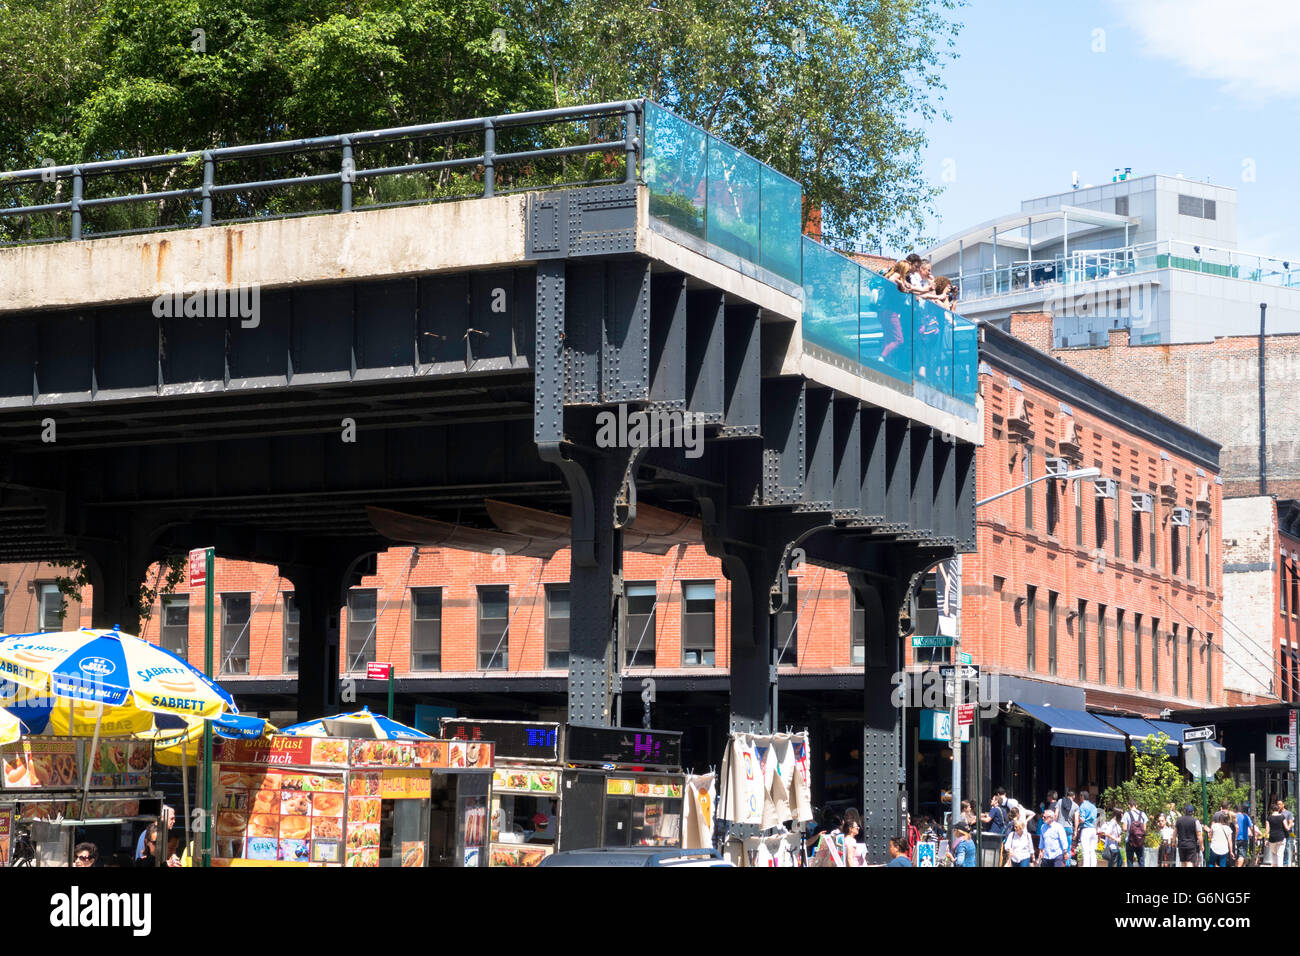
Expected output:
(1052, 598)
(1101, 643)
(1137, 652)
(1119, 553)
(1155, 559)
(1190, 691)
(1187, 544)
(1155, 654)
(1282, 588)
(1119, 646)
(1175, 552)
(1209, 581)
(236, 612)
(858, 632)
(1196, 206)
(1083, 639)
(363, 606)
(1173, 657)
(1099, 521)
(1295, 587)
(787, 628)
(640, 631)
(291, 621)
(426, 629)
(1284, 688)
(50, 608)
(1078, 514)
(1053, 506)
(175, 633)
(493, 627)
(1031, 628)
(2, 610)
(1029, 491)
(1121, 205)
(1137, 536)
(697, 623)
(1209, 667)
(557, 626)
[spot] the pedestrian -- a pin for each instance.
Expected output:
(1085, 823)
(1290, 835)
(995, 821)
(898, 853)
(1277, 834)
(1190, 840)
(1065, 814)
(1135, 834)
(1019, 845)
(85, 854)
(963, 849)
(1053, 847)
(1245, 836)
(1113, 833)
(1221, 835)
(1168, 855)
(851, 828)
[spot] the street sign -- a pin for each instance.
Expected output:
(198, 567)
(964, 658)
(965, 715)
(968, 672)
(379, 671)
(1201, 766)
(1193, 734)
(933, 640)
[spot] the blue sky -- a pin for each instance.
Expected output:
(1206, 88)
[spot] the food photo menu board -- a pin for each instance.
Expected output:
(35, 764)
(365, 802)
(121, 765)
(275, 815)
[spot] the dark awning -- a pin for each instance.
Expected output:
(1075, 728)
(1138, 730)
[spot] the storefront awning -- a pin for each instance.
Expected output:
(1076, 728)
(1138, 730)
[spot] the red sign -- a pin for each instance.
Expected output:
(198, 567)
(379, 671)
(965, 715)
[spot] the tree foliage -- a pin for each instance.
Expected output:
(836, 95)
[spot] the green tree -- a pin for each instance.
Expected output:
(1156, 782)
(836, 95)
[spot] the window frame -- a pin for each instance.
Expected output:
(707, 656)
(1082, 634)
(500, 651)
(1031, 628)
(636, 643)
(419, 646)
(556, 659)
(288, 611)
(227, 646)
(167, 602)
(357, 660)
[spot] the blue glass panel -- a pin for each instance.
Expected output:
(885, 326)
(932, 351)
(781, 225)
(966, 360)
(675, 168)
(733, 210)
(830, 300)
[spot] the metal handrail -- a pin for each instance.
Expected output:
(630, 144)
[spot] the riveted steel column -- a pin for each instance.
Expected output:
(594, 594)
(751, 573)
(881, 746)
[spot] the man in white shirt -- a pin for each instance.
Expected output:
(1053, 844)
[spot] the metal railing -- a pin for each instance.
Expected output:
(196, 203)
(1091, 264)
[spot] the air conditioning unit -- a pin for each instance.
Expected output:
(1104, 487)
(1181, 517)
(1057, 467)
(1141, 501)
(1101, 338)
(1076, 340)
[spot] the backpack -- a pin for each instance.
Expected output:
(1137, 831)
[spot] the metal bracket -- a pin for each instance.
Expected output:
(583, 503)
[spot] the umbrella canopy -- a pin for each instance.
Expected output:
(111, 668)
(11, 728)
(178, 741)
(361, 724)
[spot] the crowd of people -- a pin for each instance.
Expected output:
(1071, 830)
(912, 275)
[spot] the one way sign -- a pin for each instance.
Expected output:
(1193, 734)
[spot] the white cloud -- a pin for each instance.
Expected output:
(1249, 46)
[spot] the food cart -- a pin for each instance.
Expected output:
(525, 786)
(331, 801)
(621, 787)
(46, 808)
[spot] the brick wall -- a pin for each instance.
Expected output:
(1212, 387)
(1016, 553)
(823, 603)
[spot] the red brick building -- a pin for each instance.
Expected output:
(1100, 594)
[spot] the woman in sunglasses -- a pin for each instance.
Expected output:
(85, 854)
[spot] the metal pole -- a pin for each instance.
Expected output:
(1263, 464)
(630, 141)
(348, 175)
(77, 186)
(1205, 805)
(209, 175)
(390, 692)
(978, 789)
(209, 559)
(489, 161)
